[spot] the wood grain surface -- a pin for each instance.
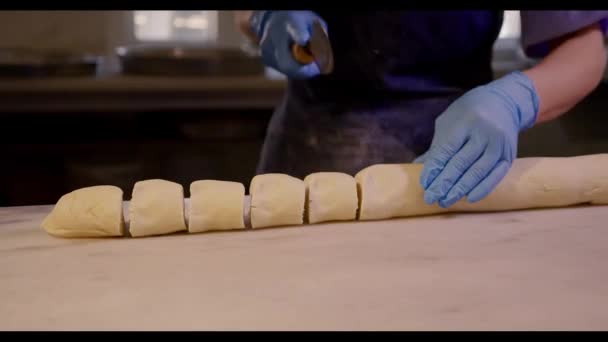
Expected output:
(543, 269)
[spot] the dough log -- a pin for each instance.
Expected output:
(216, 205)
(389, 191)
(331, 196)
(88, 212)
(276, 200)
(157, 208)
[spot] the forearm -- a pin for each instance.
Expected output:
(572, 70)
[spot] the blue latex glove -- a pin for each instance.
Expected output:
(475, 140)
(277, 31)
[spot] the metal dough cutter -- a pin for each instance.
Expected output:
(318, 49)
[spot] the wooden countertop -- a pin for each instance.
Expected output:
(542, 269)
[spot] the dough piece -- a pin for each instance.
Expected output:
(88, 212)
(388, 191)
(216, 205)
(276, 200)
(391, 190)
(331, 196)
(157, 208)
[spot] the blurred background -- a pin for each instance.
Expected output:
(113, 97)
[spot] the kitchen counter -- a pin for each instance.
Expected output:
(541, 269)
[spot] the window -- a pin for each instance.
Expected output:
(201, 27)
(176, 26)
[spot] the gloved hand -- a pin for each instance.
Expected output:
(475, 140)
(277, 31)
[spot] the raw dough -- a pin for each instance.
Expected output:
(388, 191)
(391, 190)
(331, 196)
(276, 200)
(216, 205)
(88, 212)
(157, 208)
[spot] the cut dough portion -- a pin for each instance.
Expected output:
(157, 208)
(331, 196)
(216, 205)
(276, 200)
(88, 212)
(389, 191)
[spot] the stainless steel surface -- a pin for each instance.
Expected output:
(32, 63)
(187, 60)
(127, 93)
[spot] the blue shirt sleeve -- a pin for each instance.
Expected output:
(538, 28)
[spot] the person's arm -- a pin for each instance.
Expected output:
(573, 69)
(475, 139)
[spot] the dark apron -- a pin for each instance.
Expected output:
(395, 72)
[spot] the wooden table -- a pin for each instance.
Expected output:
(545, 269)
